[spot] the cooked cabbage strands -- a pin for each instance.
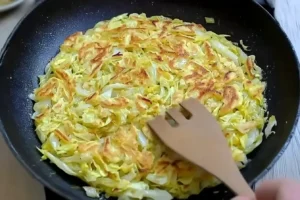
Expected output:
(97, 94)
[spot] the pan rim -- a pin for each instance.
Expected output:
(64, 192)
(58, 190)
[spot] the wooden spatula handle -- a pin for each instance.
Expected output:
(200, 140)
(235, 181)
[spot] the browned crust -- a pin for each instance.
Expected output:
(119, 102)
(61, 135)
(230, 99)
(250, 67)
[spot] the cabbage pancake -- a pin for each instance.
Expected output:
(93, 103)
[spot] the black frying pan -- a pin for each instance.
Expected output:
(37, 39)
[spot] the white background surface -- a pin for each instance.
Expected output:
(11, 5)
(15, 183)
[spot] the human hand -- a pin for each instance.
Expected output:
(276, 190)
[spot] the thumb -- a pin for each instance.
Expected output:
(241, 198)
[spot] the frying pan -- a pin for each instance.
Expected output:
(37, 38)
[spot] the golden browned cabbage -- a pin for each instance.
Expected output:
(93, 103)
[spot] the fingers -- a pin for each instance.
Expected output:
(278, 190)
(269, 189)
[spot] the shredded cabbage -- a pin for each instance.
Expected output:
(142, 139)
(246, 48)
(97, 94)
(91, 191)
(209, 20)
(224, 50)
(272, 122)
(140, 190)
(159, 180)
(59, 163)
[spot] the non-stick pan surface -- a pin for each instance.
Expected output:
(37, 38)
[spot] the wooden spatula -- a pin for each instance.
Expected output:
(198, 138)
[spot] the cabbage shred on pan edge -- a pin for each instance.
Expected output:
(93, 102)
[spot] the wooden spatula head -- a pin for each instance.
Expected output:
(199, 139)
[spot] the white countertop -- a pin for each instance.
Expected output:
(15, 183)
